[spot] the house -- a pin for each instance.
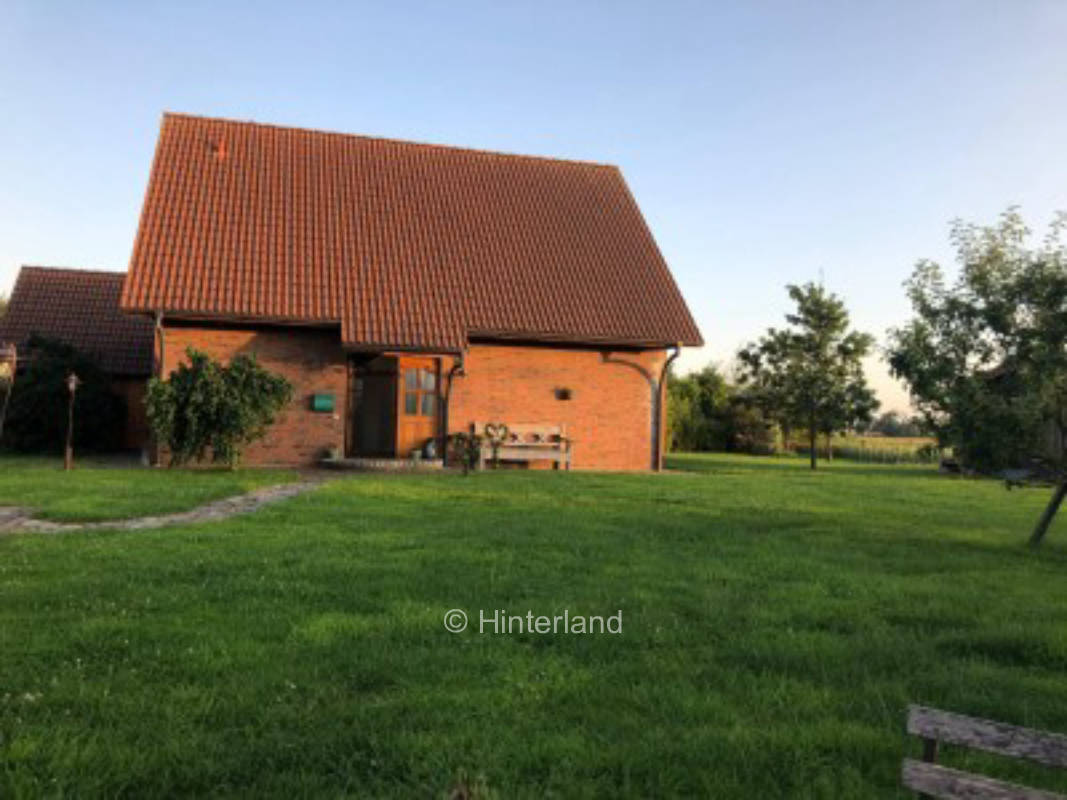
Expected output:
(408, 290)
(81, 308)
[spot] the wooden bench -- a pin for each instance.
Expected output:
(523, 441)
(932, 780)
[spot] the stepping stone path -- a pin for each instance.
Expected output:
(21, 520)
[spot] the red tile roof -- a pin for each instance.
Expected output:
(407, 246)
(81, 308)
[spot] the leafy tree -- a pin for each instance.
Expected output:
(749, 431)
(682, 419)
(986, 358)
(810, 374)
(205, 407)
(36, 418)
(705, 413)
(694, 410)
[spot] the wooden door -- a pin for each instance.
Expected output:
(417, 404)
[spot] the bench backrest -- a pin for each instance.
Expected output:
(528, 433)
(934, 726)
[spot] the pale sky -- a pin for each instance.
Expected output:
(766, 142)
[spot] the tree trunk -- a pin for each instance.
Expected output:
(829, 447)
(813, 440)
(1049, 514)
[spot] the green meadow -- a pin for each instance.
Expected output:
(775, 625)
(101, 490)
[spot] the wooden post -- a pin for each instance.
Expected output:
(930, 751)
(930, 757)
(68, 453)
(1049, 514)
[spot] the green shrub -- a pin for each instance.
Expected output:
(36, 418)
(205, 407)
(705, 412)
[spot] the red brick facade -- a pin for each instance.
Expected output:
(311, 359)
(605, 398)
(608, 415)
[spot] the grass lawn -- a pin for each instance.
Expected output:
(775, 625)
(96, 491)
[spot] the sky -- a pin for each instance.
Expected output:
(766, 142)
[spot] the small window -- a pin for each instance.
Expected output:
(420, 391)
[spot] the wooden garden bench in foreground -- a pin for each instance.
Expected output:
(933, 780)
(523, 441)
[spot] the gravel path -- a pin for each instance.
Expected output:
(21, 520)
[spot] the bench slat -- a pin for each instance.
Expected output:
(993, 737)
(951, 784)
(551, 445)
(506, 452)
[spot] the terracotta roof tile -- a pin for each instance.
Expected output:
(404, 245)
(80, 308)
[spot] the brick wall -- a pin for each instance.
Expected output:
(312, 360)
(135, 435)
(609, 414)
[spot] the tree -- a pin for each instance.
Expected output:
(810, 374)
(205, 407)
(985, 359)
(36, 418)
(705, 412)
(694, 409)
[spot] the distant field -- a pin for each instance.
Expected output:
(879, 449)
(776, 623)
(905, 443)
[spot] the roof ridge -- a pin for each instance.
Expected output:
(392, 140)
(77, 270)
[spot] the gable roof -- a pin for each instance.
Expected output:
(80, 308)
(406, 246)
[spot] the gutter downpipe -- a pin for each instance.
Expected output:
(162, 344)
(458, 368)
(658, 417)
(152, 455)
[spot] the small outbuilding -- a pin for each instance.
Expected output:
(81, 308)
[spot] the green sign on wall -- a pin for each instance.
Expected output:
(322, 402)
